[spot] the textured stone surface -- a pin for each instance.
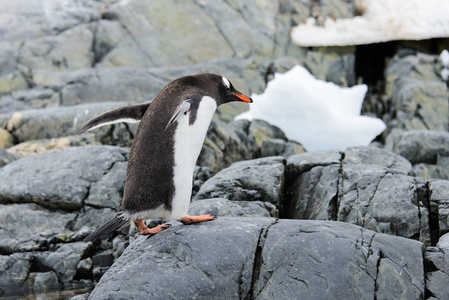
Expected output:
(254, 180)
(223, 207)
(62, 179)
(267, 258)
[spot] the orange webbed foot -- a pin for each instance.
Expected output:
(143, 229)
(196, 219)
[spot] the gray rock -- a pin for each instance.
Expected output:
(45, 282)
(62, 179)
(54, 122)
(365, 186)
(276, 147)
(437, 276)
(84, 268)
(14, 271)
(223, 207)
(420, 146)
(254, 180)
(439, 206)
(263, 261)
(33, 232)
(64, 261)
(6, 157)
(261, 130)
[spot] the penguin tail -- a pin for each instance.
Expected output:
(116, 223)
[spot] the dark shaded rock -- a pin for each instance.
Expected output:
(223, 207)
(84, 267)
(200, 175)
(14, 271)
(226, 143)
(254, 180)
(62, 179)
(29, 227)
(439, 206)
(45, 282)
(279, 147)
(263, 261)
(437, 269)
(64, 261)
(6, 157)
(420, 146)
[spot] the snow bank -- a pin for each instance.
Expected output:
(383, 20)
(318, 114)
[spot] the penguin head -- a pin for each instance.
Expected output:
(228, 93)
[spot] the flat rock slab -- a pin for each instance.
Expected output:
(265, 258)
(64, 178)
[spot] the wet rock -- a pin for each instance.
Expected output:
(63, 178)
(264, 261)
(254, 180)
(223, 207)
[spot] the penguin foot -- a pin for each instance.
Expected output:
(143, 229)
(196, 219)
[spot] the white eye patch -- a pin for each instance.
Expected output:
(226, 82)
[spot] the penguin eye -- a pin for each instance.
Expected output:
(228, 89)
(226, 83)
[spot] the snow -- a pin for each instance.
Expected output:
(383, 20)
(318, 114)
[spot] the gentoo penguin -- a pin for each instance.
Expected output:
(163, 154)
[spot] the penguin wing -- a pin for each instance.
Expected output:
(182, 109)
(128, 114)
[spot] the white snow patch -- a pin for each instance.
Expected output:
(318, 114)
(383, 20)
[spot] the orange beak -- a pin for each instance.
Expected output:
(244, 98)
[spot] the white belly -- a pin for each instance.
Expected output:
(189, 140)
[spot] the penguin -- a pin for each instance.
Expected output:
(165, 149)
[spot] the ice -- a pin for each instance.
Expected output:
(383, 20)
(318, 114)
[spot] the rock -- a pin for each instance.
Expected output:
(33, 232)
(420, 146)
(62, 179)
(365, 186)
(14, 270)
(34, 147)
(224, 144)
(45, 282)
(439, 207)
(6, 139)
(436, 263)
(264, 261)
(64, 261)
(261, 130)
(6, 157)
(276, 147)
(54, 122)
(84, 268)
(254, 180)
(223, 207)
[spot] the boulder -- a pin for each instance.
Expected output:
(279, 147)
(267, 258)
(253, 180)
(6, 157)
(420, 146)
(14, 269)
(437, 270)
(64, 179)
(54, 122)
(365, 186)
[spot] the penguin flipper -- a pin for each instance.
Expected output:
(128, 114)
(182, 108)
(116, 223)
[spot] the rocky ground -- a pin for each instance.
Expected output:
(368, 222)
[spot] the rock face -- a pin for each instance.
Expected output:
(267, 258)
